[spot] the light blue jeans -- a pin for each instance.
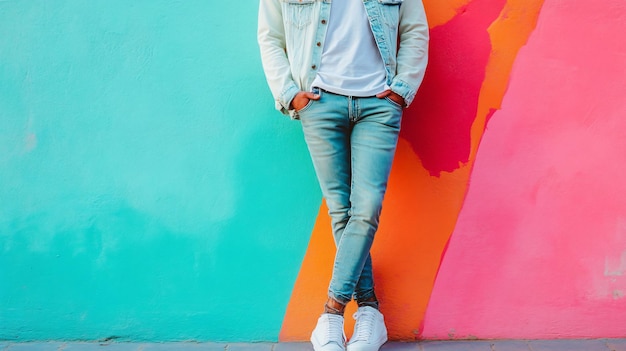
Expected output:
(352, 142)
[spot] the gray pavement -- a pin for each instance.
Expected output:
(493, 345)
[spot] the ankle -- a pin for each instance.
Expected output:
(333, 306)
(370, 302)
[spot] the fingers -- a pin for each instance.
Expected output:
(302, 99)
(383, 94)
(393, 96)
(309, 95)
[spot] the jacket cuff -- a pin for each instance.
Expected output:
(284, 100)
(403, 89)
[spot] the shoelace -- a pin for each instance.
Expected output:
(364, 325)
(334, 330)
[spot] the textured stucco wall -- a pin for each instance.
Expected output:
(540, 246)
(149, 191)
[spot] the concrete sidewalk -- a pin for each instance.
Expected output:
(495, 345)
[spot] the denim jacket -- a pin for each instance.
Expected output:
(291, 37)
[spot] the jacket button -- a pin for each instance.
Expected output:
(318, 44)
(323, 21)
(314, 66)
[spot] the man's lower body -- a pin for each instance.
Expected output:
(352, 142)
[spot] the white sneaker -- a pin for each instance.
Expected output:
(370, 332)
(328, 335)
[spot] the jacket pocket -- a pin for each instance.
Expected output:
(298, 13)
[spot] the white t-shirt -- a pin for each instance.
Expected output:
(351, 64)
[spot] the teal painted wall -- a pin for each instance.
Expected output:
(148, 189)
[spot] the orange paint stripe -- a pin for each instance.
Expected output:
(509, 33)
(440, 12)
(421, 212)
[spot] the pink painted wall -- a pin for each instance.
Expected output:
(539, 250)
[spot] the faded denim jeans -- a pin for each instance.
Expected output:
(352, 142)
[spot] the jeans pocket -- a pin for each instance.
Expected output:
(316, 91)
(305, 106)
(394, 103)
